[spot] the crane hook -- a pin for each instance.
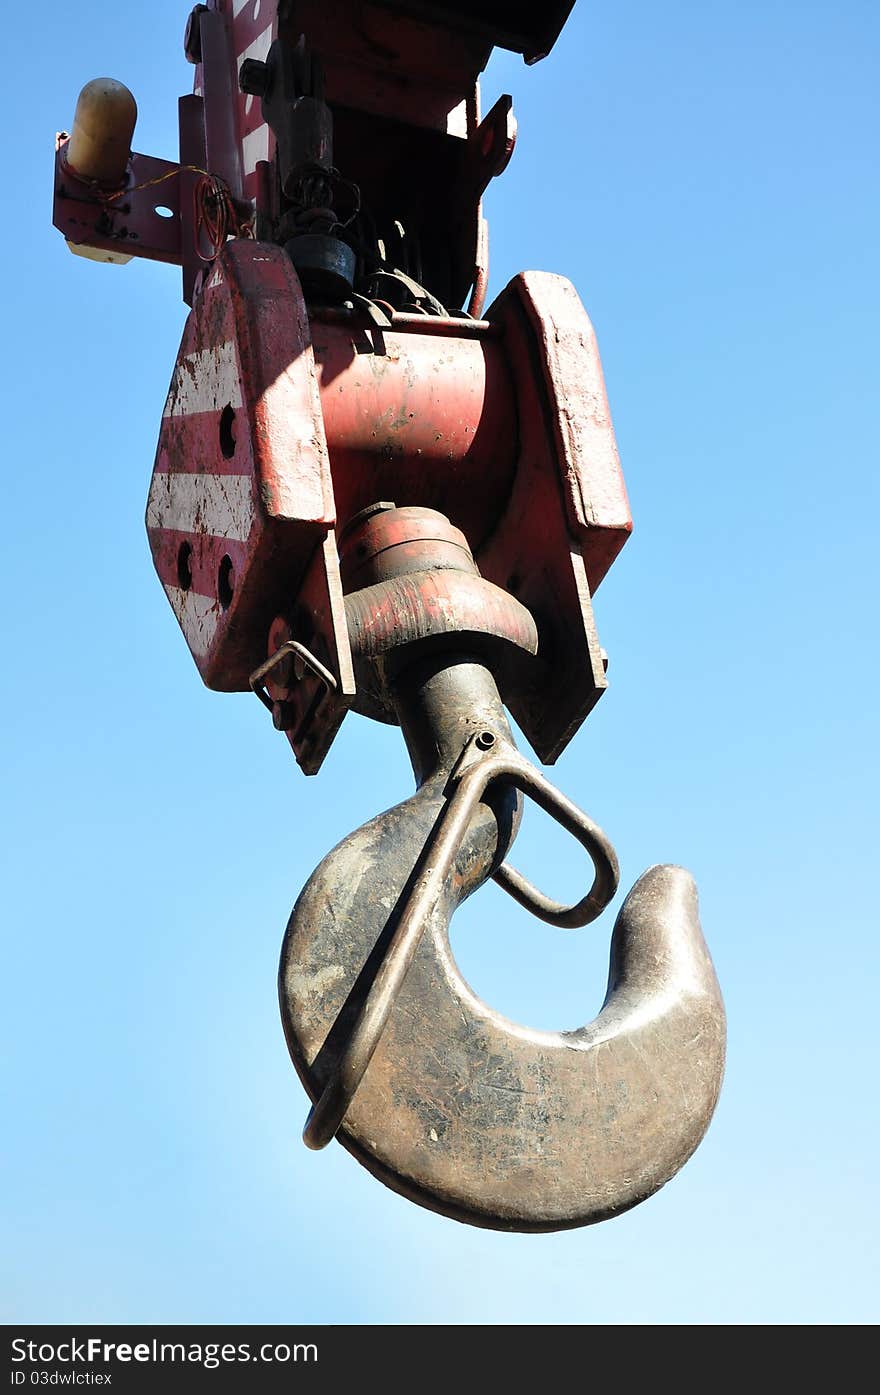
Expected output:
(438, 1095)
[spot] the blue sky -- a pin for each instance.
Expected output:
(706, 175)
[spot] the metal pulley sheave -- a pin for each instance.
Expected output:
(367, 497)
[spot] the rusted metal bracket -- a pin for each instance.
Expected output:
(310, 709)
(143, 219)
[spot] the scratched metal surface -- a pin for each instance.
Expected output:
(463, 1111)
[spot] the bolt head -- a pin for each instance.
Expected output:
(192, 39)
(278, 681)
(253, 77)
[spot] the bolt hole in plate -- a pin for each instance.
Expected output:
(227, 431)
(184, 566)
(164, 211)
(225, 582)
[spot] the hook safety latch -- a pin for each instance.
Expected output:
(486, 760)
(303, 659)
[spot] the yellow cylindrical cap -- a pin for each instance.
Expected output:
(100, 141)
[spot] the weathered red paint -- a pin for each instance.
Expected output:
(418, 419)
(279, 461)
(233, 120)
(125, 222)
(568, 515)
(503, 428)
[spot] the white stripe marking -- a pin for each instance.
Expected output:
(198, 617)
(456, 120)
(205, 381)
(220, 506)
(254, 147)
(258, 50)
(260, 46)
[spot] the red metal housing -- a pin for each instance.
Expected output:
(277, 427)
